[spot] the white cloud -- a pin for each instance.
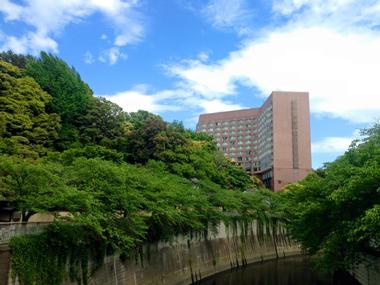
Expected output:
(139, 98)
(130, 33)
(343, 15)
(334, 145)
(337, 65)
(171, 100)
(112, 55)
(132, 101)
(203, 56)
(217, 105)
(48, 18)
(89, 58)
(30, 42)
(12, 11)
(209, 80)
(227, 14)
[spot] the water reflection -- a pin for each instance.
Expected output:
(289, 271)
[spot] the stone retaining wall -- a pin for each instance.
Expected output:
(9, 230)
(186, 259)
(368, 271)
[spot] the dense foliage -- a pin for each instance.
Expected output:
(335, 212)
(25, 126)
(120, 204)
(122, 179)
(70, 95)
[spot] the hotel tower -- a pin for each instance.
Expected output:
(271, 142)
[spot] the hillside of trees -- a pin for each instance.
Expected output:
(125, 178)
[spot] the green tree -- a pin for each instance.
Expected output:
(36, 187)
(104, 123)
(24, 122)
(145, 142)
(139, 118)
(71, 96)
(184, 152)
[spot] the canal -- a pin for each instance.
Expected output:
(290, 271)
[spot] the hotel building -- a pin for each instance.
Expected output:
(271, 142)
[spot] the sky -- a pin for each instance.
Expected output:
(181, 58)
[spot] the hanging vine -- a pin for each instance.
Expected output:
(62, 252)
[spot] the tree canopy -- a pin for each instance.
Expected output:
(335, 212)
(70, 95)
(26, 128)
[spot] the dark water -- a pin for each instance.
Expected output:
(289, 271)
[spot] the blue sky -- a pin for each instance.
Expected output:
(180, 58)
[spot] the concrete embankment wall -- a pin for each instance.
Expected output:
(368, 271)
(187, 259)
(9, 230)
